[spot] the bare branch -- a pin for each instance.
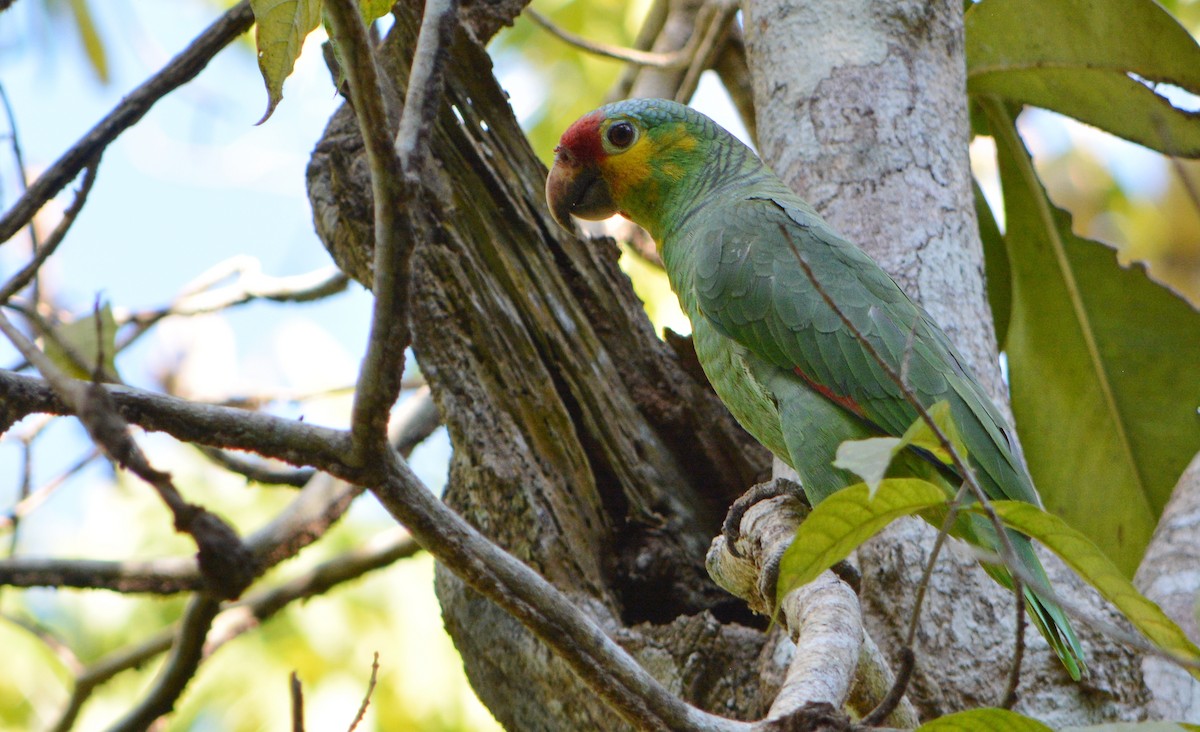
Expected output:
(237, 618)
(673, 60)
(833, 654)
(188, 651)
(180, 70)
(305, 519)
(540, 606)
(294, 442)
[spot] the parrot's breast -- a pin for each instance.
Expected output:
(728, 367)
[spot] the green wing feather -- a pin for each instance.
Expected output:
(750, 286)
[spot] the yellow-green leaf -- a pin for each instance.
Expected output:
(89, 36)
(1135, 727)
(920, 435)
(74, 347)
(1090, 563)
(984, 720)
(372, 10)
(280, 29)
(846, 519)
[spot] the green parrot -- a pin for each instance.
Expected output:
(756, 270)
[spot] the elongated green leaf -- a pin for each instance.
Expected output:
(1089, 562)
(846, 519)
(995, 262)
(279, 32)
(1089, 59)
(89, 36)
(984, 720)
(1135, 727)
(1102, 363)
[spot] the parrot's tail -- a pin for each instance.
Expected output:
(1046, 615)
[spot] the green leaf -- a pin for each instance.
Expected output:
(984, 720)
(1089, 562)
(1077, 57)
(373, 10)
(1135, 727)
(74, 347)
(868, 459)
(1102, 366)
(279, 32)
(920, 435)
(89, 36)
(846, 519)
(995, 262)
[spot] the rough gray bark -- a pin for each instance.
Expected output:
(861, 109)
(582, 443)
(1170, 575)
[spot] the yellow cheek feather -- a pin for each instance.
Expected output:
(629, 171)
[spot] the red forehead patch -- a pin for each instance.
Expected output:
(582, 139)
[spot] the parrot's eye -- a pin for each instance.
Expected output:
(621, 135)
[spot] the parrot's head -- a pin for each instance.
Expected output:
(629, 158)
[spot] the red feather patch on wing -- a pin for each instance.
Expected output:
(582, 139)
(845, 402)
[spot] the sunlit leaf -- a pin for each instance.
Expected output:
(846, 519)
(920, 435)
(1102, 363)
(74, 347)
(1091, 60)
(1089, 562)
(89, 36)
(984, 720)
(1135, 727)
(868, 459)
(279, 32)
(372, 10)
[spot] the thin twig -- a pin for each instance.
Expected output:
(180, 70)
(668, 61)
(250, 286)
(297, 693)
(260, 606)
(22, 173)
(1014, 672)
(224, 560)
(43, 250)
(256, 470)
(366, 702)
(715, 18)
